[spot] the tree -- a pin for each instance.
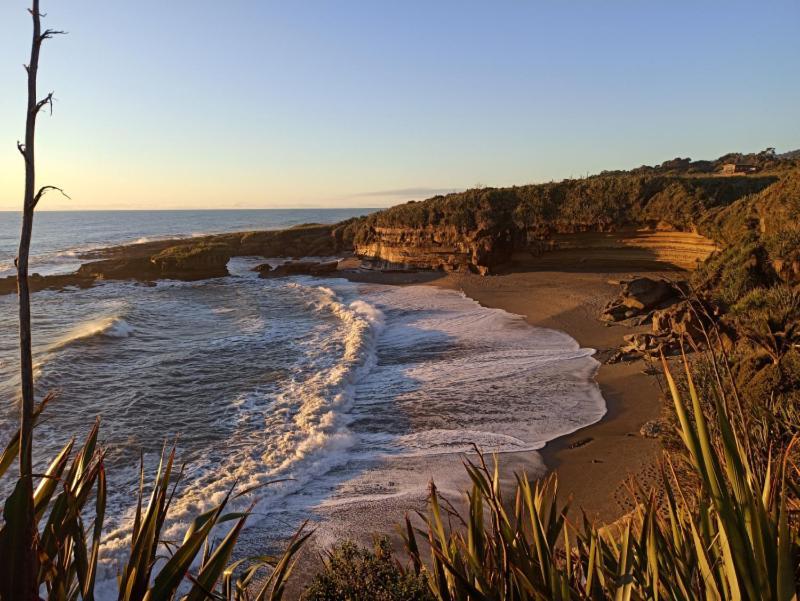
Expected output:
(24, 583)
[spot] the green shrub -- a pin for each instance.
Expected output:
(733, 272)
(352, 573)
(770, 319)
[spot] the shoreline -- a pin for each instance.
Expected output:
(593, 474)
(595, 462)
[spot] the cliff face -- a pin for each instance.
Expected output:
(634, 216)
(438, 248)
(432, 247)
(684, 250)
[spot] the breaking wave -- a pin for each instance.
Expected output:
(111, 327)
(303, 432)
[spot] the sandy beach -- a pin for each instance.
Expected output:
(593, 464)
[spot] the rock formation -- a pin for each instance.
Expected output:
(658, 217)
(640, 296)
(433, 247)
(316, 268)
(199, 258)
(677, 214)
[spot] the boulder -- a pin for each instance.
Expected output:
(646, 293)
(654, 428)
(638, 298)
(679, 320)
(614, 312)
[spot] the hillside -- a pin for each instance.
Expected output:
(678, 212)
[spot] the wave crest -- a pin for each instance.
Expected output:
(112, 327)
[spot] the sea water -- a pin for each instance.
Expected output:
(307, 381)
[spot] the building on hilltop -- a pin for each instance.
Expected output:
(733, 168)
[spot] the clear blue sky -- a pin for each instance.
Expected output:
(178, 104)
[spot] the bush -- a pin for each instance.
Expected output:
(770, 319)
(734, 272)
(352, 573)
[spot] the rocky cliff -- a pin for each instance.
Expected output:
(668, 214)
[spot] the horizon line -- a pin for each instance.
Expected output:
(198, 209)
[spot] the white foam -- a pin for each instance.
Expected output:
(305, 426)
(408, 372)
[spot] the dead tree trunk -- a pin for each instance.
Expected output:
(26, 581)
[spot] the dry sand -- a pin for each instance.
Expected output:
(594, 463)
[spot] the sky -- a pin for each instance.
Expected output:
(258, 104)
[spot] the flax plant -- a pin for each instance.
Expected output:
(70, 504)
(730, 536)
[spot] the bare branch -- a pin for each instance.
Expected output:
(45, 101)
(44, 190)
(49, 33)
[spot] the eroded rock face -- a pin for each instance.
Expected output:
(484, 251)
(438, 248)
(638, 245)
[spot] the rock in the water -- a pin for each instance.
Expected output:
(122, 268)
(36, 282)
(192, 261)
(183, 262)
(301, 268)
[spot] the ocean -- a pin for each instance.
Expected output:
(314, 381)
